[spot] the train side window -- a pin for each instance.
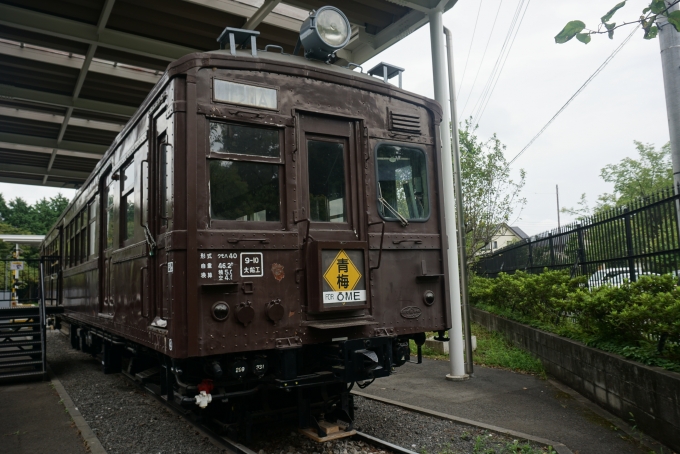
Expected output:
(127, 202)
(326, 166)
(92, 227)
(402, 183)
(244, 191)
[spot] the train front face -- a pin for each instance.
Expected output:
(318, 249)
(320, 232)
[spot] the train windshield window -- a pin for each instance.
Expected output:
(245, 140)
(326, 163)
(402, 182)
(244, 191)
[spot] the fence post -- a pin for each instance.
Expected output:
(581, 249)
(629, 245)
(552, 250)
(531, 259)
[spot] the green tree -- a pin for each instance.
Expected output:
(490, 195)
(649, 18)
(634, 179)
(36, 219)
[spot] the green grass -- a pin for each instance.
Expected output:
(494, 351)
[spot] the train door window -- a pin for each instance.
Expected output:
(244, 172)
(402, 183)
(165, 150)
(92, 227)
(127, 202)
(110, 191)
(326, 166)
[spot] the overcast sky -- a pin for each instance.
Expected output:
(624, 103)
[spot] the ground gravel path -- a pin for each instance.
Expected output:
(128, 421)
(125, 419)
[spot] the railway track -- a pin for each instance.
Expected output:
(240, 448)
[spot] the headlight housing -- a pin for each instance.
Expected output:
(324, 32)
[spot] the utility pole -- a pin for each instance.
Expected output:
(456, 346)
(669, 39)
(557, 193)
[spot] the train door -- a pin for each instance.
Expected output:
(163, 166)
(332, 183)
(107, 231)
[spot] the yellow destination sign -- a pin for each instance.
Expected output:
(342, 275)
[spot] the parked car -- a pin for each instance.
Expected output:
(614, 277)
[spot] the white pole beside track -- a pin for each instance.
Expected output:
(440, 78)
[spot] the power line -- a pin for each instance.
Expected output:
(479, 117)
(483, 55)
(470, 49)
(597, 71)
(498, 59)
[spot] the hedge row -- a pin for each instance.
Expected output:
(640, 320)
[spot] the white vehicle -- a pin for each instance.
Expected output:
(613, 276)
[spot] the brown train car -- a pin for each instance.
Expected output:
(264, 224)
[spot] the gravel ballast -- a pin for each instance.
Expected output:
(127, 420)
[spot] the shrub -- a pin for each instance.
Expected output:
(626, 318)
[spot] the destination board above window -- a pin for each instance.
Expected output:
(247, 95)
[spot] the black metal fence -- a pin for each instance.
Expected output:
(622, 243)
(20, 283)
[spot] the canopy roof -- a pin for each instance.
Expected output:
(73, 71)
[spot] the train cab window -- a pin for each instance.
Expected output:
(244, 191)
(244, 140)
(127, 202)
(245, 187)
(326, 164)
(402, 182)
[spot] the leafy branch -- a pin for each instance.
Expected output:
(648, 21)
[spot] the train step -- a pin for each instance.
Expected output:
(20, 363)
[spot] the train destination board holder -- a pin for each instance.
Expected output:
(338, 276)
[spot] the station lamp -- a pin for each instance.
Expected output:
(324, 32)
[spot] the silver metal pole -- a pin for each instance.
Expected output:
(439, 75)
(460, 219)
(669, 39)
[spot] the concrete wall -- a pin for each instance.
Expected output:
(620, 386)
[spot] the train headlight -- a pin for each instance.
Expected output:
(324, 32)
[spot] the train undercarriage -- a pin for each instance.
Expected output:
(310, 384)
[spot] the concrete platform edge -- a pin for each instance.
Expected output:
(88, 435)
(560, 448)
(645, 440)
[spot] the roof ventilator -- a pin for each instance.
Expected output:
(238, 37)
(386, 71)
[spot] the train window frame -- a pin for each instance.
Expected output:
(278, 161)
(428, 174)
(276, 88)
